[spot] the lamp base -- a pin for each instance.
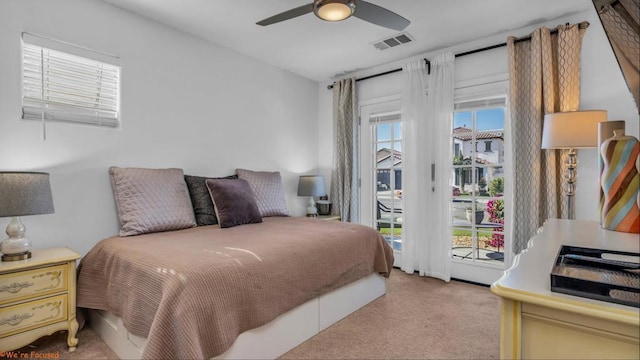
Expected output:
(16, 257)
(570, 176)
(312, 210)
(17, 244)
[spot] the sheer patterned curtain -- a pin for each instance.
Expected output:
(426, 167)
(544, 77)
(344, 185)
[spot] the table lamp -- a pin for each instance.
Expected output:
(22, 193)
(572, 130)
(311, 185)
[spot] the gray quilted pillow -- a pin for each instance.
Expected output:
(267, 187)
(151, 200)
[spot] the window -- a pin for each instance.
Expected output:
(387, 159)
(478, 181)
(380, 153)
(62, 82)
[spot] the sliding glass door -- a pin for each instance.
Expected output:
(479, 242)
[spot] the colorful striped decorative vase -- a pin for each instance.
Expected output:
(605, 131)
(620, 182)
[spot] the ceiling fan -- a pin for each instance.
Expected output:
(337, 10)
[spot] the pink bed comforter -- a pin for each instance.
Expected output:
(192, 292)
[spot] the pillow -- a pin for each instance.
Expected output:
(234, 202)
(201, 199)
(151, 200)
(268, 189)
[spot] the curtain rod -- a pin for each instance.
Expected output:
(582, 25)
(329, 87)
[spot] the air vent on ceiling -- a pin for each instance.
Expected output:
(396, 40)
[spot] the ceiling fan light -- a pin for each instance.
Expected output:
(334, 10)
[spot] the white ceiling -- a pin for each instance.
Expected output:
(319, 50)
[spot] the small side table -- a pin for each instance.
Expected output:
(38, 298)
(329, 217)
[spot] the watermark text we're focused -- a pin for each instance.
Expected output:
(29, 355)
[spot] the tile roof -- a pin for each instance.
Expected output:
(464, 133)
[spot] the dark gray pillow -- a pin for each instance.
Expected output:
(234, 202)
(201, 200)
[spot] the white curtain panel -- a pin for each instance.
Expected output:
(414, 168)
(427, 123)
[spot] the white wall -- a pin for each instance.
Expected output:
(602, 87)
(185, 103)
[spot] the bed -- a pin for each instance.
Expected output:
(250, 291)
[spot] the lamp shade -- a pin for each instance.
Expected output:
(25, 193)
(311, 185)
(574, 129)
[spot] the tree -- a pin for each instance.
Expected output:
(496, 186)
(482, 184)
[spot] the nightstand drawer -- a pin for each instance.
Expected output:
(32, 314)
(32, 283)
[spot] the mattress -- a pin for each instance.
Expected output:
(192, 292)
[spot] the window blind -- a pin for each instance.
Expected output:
(480, 104)
(60, 86)
(382, 118)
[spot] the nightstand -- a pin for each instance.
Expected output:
(329, 217)
(38, 298)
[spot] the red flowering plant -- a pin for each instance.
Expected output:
(495, 209)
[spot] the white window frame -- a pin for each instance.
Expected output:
(481, 89)
(80, 85)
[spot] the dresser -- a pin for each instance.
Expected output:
(38, 298)
(537, 323)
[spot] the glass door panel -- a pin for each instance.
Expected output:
(478, 185)
(387, 153)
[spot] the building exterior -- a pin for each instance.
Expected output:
(487, 150)
(388, 159)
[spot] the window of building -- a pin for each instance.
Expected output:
(63, 82)
(487, 146)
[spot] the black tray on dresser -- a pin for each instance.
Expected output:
(584, 272)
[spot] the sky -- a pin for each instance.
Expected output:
(384, 135)
(489, 119)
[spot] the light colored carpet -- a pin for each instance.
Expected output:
(418, 318)
(90, 346)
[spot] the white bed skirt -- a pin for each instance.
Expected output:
(270, 340)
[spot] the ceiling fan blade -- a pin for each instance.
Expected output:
(289, 14)
(380, 16)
